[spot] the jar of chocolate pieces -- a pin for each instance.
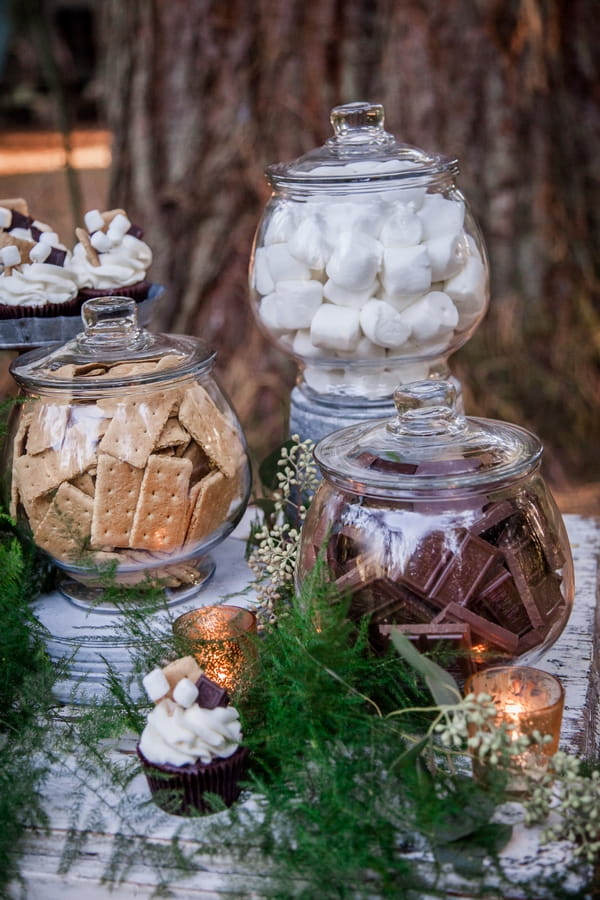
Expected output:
(125, 461)
(441, 527)
(367, 266)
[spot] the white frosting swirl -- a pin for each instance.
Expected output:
(125, 264)
(180, 736)
(38, 284)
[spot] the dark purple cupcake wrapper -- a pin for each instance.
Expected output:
(183, 790)
(137, 292)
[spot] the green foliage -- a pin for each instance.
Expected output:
(25, 701)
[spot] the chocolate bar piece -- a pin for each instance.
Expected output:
(451, 641)
(481, 628)
(423, 567)
(500, 600)
(210, 694)
(465, 571)
(361, 571)
(389, 601)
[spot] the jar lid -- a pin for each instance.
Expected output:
(360, 151)
(112, 352)
(429, 448)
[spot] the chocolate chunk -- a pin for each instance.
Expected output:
(379, 464)
(361, 571)
(136, 232)
(451, 641)
(500, 600)
(210, 694)
(56, 257)
(19, 220)
(424, 565)
(494, 514)
(389, 601)
(482, 629)
(465, 571)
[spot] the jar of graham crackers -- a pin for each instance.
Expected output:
(126, 463)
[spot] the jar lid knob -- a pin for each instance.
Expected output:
(111, 323)
(427, 408)
(359, 123)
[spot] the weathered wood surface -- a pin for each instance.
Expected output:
(574, 658)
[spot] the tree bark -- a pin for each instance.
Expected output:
(201, 95)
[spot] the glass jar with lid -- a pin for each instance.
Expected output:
(125, 461)
(441, 526)
(367, 267)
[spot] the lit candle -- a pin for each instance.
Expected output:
(218, 638)
(528, 700)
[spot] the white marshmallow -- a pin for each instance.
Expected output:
(298, 302)
(118, 228)
(335, 218)
(93, 220)
(49, 237)
(468, 288)
(101, 242)
(406, 270)
(335, 328)
(447, 254)
(185, 692)
(383, 325)
(343, 297)
(262, 280)
(23, 234)
(308, 244)
(403, 229)
(5, 217)
(156, 684)
(280, 226)
(303, 346)
(10, 255)
(440, 215)
(324, 381)
(430, 318)
(366, 349)
(39, 252)
(355, 261)
(282, 265)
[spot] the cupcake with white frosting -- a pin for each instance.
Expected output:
(190, 748)
(110, 257)
(35, 274)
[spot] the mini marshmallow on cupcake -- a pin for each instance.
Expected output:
(110, 256)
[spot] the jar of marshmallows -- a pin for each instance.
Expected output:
(368, 268)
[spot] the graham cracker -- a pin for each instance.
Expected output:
(48, 427)
(19, 444)
(209, 428)
(39, 474)
(210, 500)
(85, 483)
(200, 462)
(135, 427)
(65, 529)
(160, 515)
(90, 251)
(115, 499)
(184, 667)
(18, 203)
(172, 435)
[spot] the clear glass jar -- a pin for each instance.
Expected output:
(125, 460)
(441, 526)
(367, 266)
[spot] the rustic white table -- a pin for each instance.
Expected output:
(574, 658)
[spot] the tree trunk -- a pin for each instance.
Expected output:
(201, 95)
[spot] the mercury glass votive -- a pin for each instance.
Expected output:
(219, 639)
(527, 700)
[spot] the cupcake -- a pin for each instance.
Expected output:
(35, 274)
(110, 258)
(190, 747)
